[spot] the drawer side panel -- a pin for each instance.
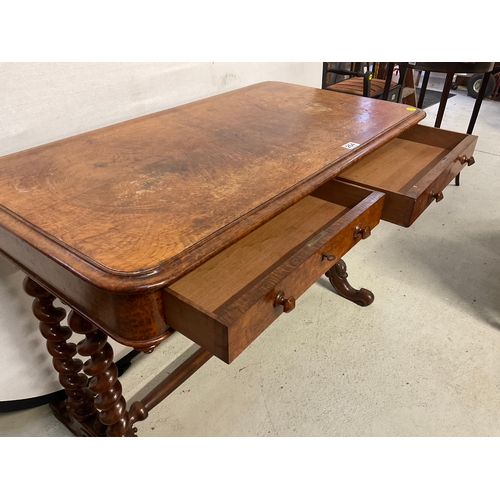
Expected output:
(198, 325)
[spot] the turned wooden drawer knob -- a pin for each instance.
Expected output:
(463, 159)
(364, 232)
(328, 256)
(281, 299)
(436, 196)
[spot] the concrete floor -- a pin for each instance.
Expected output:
(422, 360)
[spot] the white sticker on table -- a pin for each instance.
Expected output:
(350, 145)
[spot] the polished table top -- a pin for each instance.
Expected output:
(133, 206)
(105, 220)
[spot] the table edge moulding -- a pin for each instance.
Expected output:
(212, 219)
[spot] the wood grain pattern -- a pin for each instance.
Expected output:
(295, 277)
(225, 315)
(412, 170)
(395, 164)
(134, 319)
(227, 274)
(210, 218)
(139, 203)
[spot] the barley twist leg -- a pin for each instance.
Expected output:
(104, 382)
(80, 400)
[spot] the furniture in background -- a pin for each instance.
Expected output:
(450, 69)
(365, 79)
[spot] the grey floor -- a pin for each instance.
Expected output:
(422, 360)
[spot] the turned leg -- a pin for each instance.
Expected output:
(104, 372)
(338, 279)
(80, 400)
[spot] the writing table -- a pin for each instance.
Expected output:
(211, 218)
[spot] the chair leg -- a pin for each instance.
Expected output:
(402, 79)
(475, 112)
(444, 98)
(442, 106)
(423, 88)
(388, 81)
(324, 77)
(479, 101)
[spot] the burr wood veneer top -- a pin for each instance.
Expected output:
(141, 202)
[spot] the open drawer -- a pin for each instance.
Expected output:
(413, 170)
(224, 304)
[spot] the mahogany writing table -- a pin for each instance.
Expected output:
(211, 219)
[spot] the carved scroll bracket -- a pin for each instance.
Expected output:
(338, 279)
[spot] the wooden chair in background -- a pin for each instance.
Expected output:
(366, 79)
(450, 69)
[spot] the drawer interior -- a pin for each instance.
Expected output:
(227, 302)
(231, 272)
(400, 164)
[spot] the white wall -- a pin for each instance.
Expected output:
(43, 102)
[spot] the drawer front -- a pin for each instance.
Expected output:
(431, 186)
(227, 330)
(413, 170)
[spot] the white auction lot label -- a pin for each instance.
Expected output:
(350, 145)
